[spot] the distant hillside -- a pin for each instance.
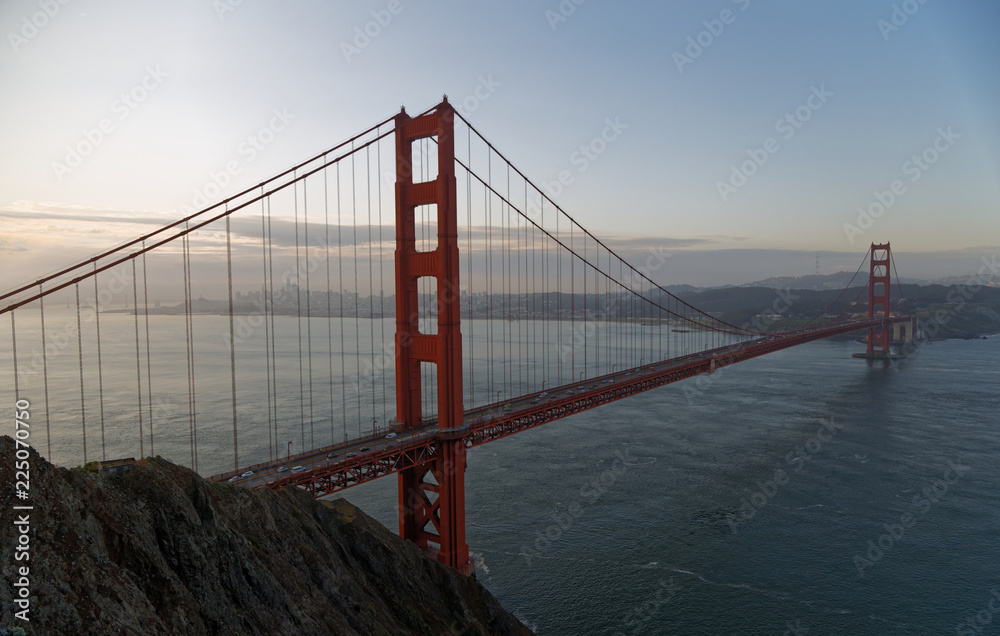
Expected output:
(836, 281)
(162, 551)
(952, 311)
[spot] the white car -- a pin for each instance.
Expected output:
(249, 473)
(298, 469)
(282, 469)
(234, 478)
(391, 436)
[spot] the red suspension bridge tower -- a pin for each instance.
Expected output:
(878, 300)
(431, 495)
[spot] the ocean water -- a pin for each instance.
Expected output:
(802, 492)
(635, 518)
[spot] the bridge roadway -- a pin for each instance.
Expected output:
(330, 469)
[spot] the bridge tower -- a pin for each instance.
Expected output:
(431, 495)
(878, 300)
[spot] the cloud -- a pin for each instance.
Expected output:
(35, 211)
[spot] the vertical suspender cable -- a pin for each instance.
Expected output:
(545, 297)
(45, 372)
(357, 287)
(138, 356)
(309, 354)
(13, 340)
(79, 344)
(187, 342)
(274, 349)
(189, 328)
(572, 309)
(471, 288)
(271, 433)
(298, 318)
(505, 255)
(329, 297)
(488, 209)
(340, 275)
(100, 372)
(232, 337)
(381, 279)
(149, 368)
(371, 273)
(559, 357)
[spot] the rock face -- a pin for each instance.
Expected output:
(162, 551)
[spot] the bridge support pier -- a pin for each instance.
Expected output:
(432, 495)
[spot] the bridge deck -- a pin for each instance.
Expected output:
(375, 456)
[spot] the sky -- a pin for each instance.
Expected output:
(748, 135)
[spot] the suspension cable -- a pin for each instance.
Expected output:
(100, 372)
(45, 375)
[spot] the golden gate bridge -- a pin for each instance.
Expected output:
(436, 289)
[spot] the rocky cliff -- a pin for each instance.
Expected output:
(162, 551)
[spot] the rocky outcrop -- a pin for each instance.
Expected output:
(162, 551)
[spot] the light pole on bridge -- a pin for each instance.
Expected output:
(289, 449)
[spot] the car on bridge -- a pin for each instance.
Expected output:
(298, 469)
(332, 455)
(282, 469)
(249, 473)
(390, 436)
(352, 454)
